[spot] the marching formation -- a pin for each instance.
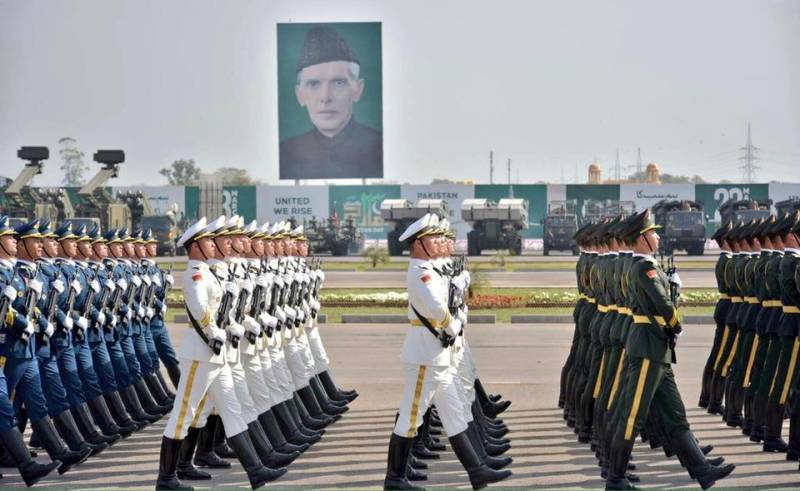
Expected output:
(442, 388)
(255, 378)
(750, 378)
(617, 381)
(82, 340)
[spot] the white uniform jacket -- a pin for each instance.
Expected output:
(202, 294)
(427, 293)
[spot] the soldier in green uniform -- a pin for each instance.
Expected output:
(785, 371)
(651, 383)
(707, 398)
(790, 328)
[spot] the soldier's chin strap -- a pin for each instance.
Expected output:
(649, 245)
(6, 250)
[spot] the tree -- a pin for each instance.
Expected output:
(232, 176)
(71, 162)
(182, 172)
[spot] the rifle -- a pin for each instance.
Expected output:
(50, 310)
(240, 312)
(223, 315)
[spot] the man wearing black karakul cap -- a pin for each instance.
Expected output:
(328, 85)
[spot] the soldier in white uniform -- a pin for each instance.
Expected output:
(207, 378)
(427, 357)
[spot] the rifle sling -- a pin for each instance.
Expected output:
(425, 322)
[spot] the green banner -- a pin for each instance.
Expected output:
(585, 192)
(363, 205)
(192, 202)
(536, 194)
(713, 195)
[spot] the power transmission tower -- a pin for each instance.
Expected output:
(749, 158)
(491, 166)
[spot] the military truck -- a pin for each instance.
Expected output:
(400, 213)
(23, 202)
(596, 210)
(744, 210)
(95, 200)
(788, 206)
(558, 226)
(683, 226)
(333, 236)
(495, 225)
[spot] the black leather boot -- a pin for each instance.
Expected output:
(480, 474)
(416, 463)
(333, 391)
(134, 406)
(146, 398)
(773, 428)
(315, 407)
(102, 415)
(55, 448)
(88, 429)
(156, 390)
(186, 470)
(290, 428)
(706, 474)
(29, 469)
(205, 455)
(264, 449)
(327, 405)
(68, 429)
(420, 451)
(619, 455)
(120, 413)
(276, 436)
(308, 419)
(415, 475)
(495, 463)
(256, 472)
(164, 385)
(168, 465)
(399, 450)
(174, 373)
(221, 447)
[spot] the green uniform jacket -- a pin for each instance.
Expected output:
(649, 291)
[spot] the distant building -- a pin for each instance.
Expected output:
(652, 176)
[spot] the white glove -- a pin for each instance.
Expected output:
(305, 279)
(218, 335)
(675, 279)
(280, 314)
(321, 275)
(110, 285)
(83, 323)
(122, 283)
(236, 329)
(48, 331)
(10, 293)
(136, 281)
(140, 312)
(76, 285)
(315, 304)
(230, 287)
(252, 325)
(146, 279)
(129, 315)
(263, 281)
(28, 330)
(155, 279)
(170, 280)
(455, 327)
(149, 313)
(288, 278)
(57, 285)
(101, 318)
(267, 320)
(306, 308)
(277, 280)
(459, 283)
(290, 312)
(164, 308)
(95, 286)
(113, 321)
(467, 277)
(247, 286)
(461, 315)
(68, 322)
(301, 315)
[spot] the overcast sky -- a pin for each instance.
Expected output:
(550, 84)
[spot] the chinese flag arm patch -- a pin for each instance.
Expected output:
(426, 278)
(651, 274)
(197, 276)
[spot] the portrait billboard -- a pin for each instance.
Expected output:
(330, 96)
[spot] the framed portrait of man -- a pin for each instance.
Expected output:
(330, 114)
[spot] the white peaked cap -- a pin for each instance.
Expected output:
(194, 231)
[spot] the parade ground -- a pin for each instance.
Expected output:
(521, 361)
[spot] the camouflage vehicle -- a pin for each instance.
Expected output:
(683, 226)
(495, 225)
(22, 202)
(744, 210)
(333, 237)
(558, 227)
(400, 213)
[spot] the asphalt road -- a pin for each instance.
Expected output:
(522, 362)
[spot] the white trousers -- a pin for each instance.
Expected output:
(204, 386)
(282, 375)
(256, 383)
(276, 395)
(242, 392)
(321, 361)
(297, 366)
(425, 385)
